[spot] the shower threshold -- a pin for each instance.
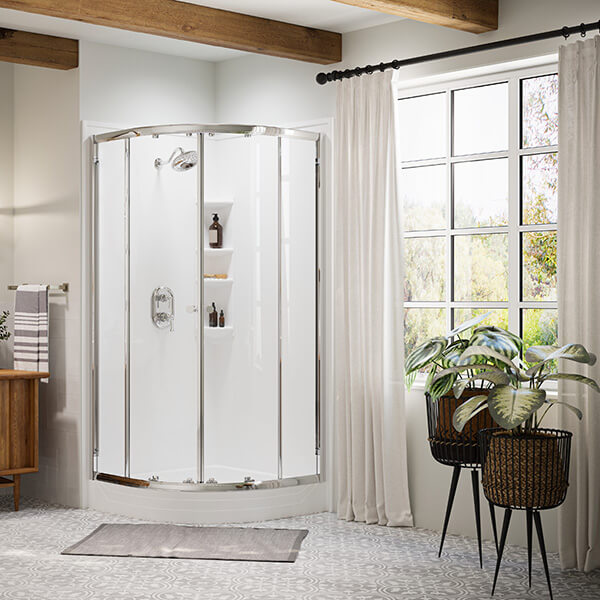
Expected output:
(209, 487)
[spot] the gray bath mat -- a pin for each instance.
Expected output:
(179, 541)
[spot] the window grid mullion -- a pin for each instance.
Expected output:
(450, 209)
(514, 205)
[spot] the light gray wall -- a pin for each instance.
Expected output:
(6, 198)
(46, 200)
(135, 88)
(273, 91)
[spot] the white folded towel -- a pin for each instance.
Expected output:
(31, 328)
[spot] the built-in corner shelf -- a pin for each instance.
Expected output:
(215, 281)
(218, 251)
(218, 333)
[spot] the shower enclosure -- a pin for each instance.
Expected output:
(179, 403)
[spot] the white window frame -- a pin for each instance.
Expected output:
(514, 155)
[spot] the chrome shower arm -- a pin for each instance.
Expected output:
(158, 163)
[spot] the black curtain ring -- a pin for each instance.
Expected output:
(598, 26)
(582, 29)
(565, 32)
(382, 67)
(358, 71)
(369, 69)
(396, 63)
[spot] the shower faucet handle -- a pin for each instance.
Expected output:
(163, 308)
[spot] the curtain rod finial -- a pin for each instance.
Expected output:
(321, 78)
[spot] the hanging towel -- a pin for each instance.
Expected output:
(31, 328)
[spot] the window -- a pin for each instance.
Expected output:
(479, 177)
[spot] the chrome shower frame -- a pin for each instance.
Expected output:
(200, 130)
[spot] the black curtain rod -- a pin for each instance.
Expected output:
(582, 29)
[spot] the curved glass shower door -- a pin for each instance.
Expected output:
(148, 359)
(164, 356)
(184, 396)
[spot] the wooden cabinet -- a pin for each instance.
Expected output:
(19, 430)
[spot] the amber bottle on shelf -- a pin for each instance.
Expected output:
(213, 315)
(215, 233)
(222, 318)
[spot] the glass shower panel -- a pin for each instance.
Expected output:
(164, 357)
(298, 307)
(241, 359)
(110, 308)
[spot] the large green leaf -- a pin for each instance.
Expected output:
(575, 352)
(573, 377)
(467, 410)
(425, 353)
(537, 353)
(511, 407)
(468, 324)
(495, 376)
(496, 341)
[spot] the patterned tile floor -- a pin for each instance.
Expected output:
(338, 560)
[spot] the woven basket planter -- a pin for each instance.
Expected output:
(525, 470)
(449, 446)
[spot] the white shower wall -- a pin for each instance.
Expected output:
(241, 369)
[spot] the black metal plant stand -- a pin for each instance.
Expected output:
(525, 471)
(460, 451)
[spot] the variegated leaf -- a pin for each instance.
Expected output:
(575, 352)
(517, 341)
(568, 406)
(484, 351)
(468, 410)
(511, 407)
(460, 369)
(573, 377)
(425, 353)
(452, 353)
(496, 341)
(468, 324)
(410, 379)
(537, 353)
(496, 376)
(441, 386)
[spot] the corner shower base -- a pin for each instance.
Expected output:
(175, 506)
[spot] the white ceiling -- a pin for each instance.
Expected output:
(323, 14)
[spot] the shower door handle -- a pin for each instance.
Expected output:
(163, 308)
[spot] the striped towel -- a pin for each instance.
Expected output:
(31, 328)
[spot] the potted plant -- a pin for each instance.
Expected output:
(453, 380)
(524, 464)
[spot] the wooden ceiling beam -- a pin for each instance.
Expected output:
(475, 16)
(38, 50)
(194, 23)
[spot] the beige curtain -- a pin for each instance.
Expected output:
(579, 291)
(372, 482)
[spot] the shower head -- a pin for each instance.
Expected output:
(179, 160)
